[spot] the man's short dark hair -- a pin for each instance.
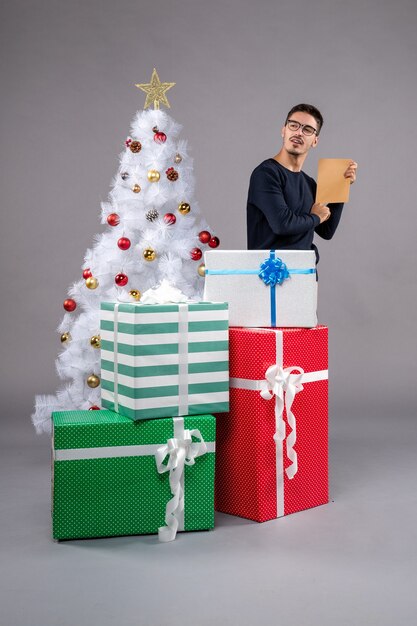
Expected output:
(311, 110)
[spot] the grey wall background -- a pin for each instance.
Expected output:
(67, 71)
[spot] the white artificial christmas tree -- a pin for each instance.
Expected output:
(154, 232)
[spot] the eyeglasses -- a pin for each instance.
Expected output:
(305, 128)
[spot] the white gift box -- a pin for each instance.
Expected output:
(275, 288)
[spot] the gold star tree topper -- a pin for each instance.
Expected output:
(155, 91)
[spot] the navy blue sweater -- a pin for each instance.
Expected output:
(278, 210)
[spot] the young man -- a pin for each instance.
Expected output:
(281, 208)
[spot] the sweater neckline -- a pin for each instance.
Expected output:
(285, 168)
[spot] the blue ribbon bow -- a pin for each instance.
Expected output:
(273, 271)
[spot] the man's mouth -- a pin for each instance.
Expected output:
(297, 141)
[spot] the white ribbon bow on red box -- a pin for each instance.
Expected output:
(284, 385)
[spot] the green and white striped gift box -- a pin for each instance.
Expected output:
(164, 360)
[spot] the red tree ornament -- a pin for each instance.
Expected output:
(70, 305)
(159, 136)
(113, 219)
(94, 408)
(196, 254)
(214, 242)
(204, 236)
(124, 243)
(121, 279)
(170, 219)
(87, 273)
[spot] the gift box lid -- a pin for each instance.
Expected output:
(301, 347)
(103, 428)
(251, 259)
(137, 307)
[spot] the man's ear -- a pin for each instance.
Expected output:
(282, 131)
(315, 142)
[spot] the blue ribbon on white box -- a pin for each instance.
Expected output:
(273, 271)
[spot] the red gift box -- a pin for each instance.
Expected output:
(272, 447)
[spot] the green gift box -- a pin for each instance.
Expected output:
(113, 476)
(164, 360)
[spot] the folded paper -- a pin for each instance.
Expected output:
(332, 186)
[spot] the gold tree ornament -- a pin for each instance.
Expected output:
(153, 176)
(184, 208)
(93, 381)
(95, 341)
(155, 91)
(91, 283)
(201, 270)
(149, 254)
(65, 337)
(135, 294)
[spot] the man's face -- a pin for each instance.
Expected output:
(295, 142)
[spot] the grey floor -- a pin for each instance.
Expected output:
(352, 562)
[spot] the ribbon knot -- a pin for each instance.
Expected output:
(273, 271)
(177, 452)
(284, 385)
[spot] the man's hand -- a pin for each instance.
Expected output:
(351, 172)
(321, 210)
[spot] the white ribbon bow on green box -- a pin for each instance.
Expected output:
(181, 451)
